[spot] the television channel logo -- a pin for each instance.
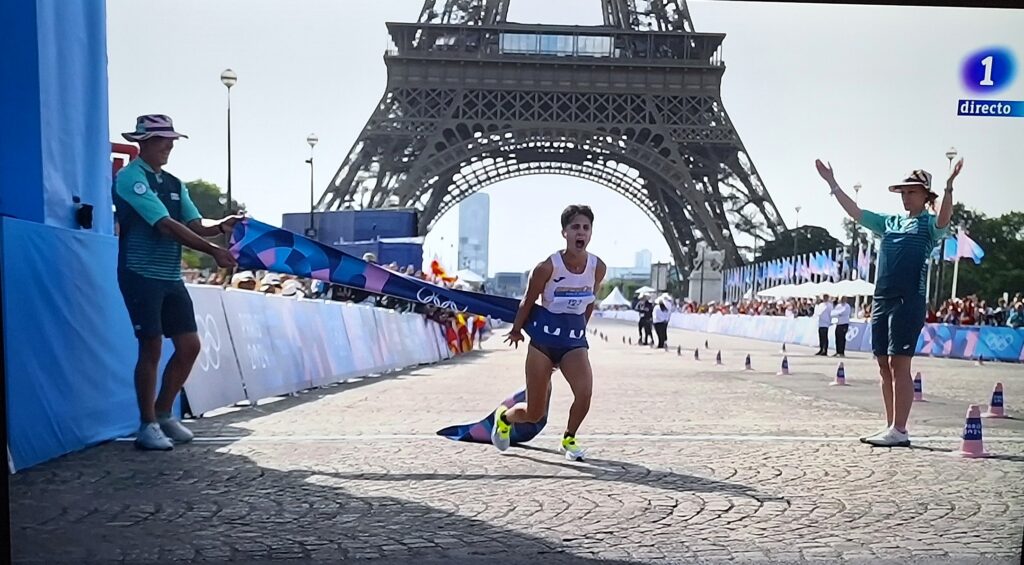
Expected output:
(986, 73)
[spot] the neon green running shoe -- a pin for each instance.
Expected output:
(573, 451)
(501, 433)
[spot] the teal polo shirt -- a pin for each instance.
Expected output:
(140, 205)
(907, 242)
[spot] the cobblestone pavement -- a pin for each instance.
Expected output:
(690, 462)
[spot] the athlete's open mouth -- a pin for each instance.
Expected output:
(580, 244)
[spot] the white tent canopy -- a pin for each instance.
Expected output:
(780, 291)
(805, 290)
(469, 276)
(645, 290)
(855, 287)
(815, 289)
(615, 298)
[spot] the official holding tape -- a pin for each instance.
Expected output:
(155, 218)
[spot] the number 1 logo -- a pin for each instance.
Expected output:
(988, 70)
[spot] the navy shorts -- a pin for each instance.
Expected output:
(156, 306)
(555, 354)
(896, 325)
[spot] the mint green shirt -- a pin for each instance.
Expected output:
(907, 242)
(143, 249)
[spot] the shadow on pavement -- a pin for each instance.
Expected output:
(201, 504)
(590, 470)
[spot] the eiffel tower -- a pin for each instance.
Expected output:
(634, 105)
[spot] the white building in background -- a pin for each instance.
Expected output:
(512, 285)
(474, 229)
(643, 260)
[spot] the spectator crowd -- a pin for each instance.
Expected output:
(967, 311)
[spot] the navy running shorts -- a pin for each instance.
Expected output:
(896, 325)
(156, 306)
(555, 354)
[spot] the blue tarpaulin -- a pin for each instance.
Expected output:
(69, 348)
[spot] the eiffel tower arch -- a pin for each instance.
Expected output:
(634, 105)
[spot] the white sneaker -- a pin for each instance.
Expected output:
(175, 430)
(150, 437)
(864, 439)
(891, 438)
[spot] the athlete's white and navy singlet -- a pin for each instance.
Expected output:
(566, 292)
(558, 325)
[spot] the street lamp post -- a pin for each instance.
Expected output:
(700, 300)
(312, 140)
(795, 229)
(940, 268)
(856, 228)
(229, 78)
(856, 234)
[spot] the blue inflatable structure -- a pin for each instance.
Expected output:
(69, 352)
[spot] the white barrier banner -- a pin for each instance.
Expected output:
(377, 340)
(416, 329)
(388, 338)
(362, 328)
(257, 346)
(263, 370)
(288, 340)
(427, 347)
(312, 338)
(415, 333)
(398, 341)
(215, 380)
(437, 335)
(331, 325)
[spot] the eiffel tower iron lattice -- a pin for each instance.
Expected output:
(634, 105)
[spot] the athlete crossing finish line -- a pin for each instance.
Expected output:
(566, 283)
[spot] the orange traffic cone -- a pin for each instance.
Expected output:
(918, 389)
(971, 445)
(840, 377)
(995, 408)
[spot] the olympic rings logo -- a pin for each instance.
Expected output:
(209, 356)
(433, 299)
(853, 333)
(998, 342)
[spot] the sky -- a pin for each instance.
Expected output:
(874, 90)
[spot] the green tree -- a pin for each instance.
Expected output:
(856, 236)
(209, 200)
(808, 239)
(626, 287)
